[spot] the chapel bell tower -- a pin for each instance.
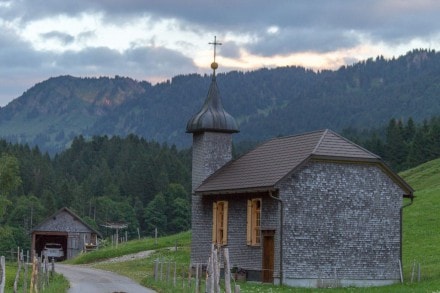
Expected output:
(212, 128)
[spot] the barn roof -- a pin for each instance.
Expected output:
(41, 226)
(263, 167)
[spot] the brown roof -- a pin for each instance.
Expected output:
(75, 216)
(270, 162)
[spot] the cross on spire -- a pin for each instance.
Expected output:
(215, 43)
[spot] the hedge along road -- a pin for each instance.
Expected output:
(88, 280)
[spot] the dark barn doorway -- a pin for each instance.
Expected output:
(50, 237)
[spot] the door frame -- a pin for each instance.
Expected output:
(268, 256)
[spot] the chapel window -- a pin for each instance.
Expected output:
(220, 222)
(254, 221)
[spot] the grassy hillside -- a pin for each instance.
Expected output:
(421, 244)
(421, 237)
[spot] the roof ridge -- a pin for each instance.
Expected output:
(319, 142)
(73, 214)
(293, 135)
(355, 144)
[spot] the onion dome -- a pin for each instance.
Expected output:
(212, 116)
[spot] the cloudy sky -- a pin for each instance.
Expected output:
(155, 40)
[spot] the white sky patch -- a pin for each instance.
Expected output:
(89, 30)
(319, 61)
(5, 4)
(33, 31)
(273, 30)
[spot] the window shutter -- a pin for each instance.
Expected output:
(249, 223)
(214, 222)
(224, 241)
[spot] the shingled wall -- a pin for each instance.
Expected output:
(342, 226)
(211, 150)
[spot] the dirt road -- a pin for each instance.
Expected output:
(88, 280)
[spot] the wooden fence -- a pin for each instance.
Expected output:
(40, 276)
(197, 277)
(3, 274)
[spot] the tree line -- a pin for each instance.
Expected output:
(102, 179)
(144, 183)
(402, 144)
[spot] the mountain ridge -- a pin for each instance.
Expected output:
(265, 102)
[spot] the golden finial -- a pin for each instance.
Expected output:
(214, 65)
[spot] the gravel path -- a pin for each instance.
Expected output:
(84, 279)
(128, 257)
(89, 280)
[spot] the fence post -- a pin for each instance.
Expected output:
(25, 264)
(196, 286)
(174, 279)
(183, 276)
(413, 268)
(227, 271)
(3, 279)
(401, 271)
(216, 270)
(46, 271)
(156, 268)
(53, 267)
(237, 289)
(209, 276)
(34, 275)
(17, 275)
(189, 276)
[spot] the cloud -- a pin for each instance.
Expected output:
(304, 24)
(59, 36)
(287, 41)
(162, 38)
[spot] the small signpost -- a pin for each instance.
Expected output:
(116, 226)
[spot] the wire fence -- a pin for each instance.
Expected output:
(195, 277)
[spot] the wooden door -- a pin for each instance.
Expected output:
(268, 258)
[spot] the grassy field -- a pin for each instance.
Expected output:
(57, 284)
(421, 244)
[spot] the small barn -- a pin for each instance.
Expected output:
(66, 228)
(308, 210)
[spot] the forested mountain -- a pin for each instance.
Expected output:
(145, 184)
(265, 102)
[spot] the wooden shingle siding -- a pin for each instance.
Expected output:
(240, 253)
(343, 220)
(211, 151)
(68, 229)
(63, 222)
